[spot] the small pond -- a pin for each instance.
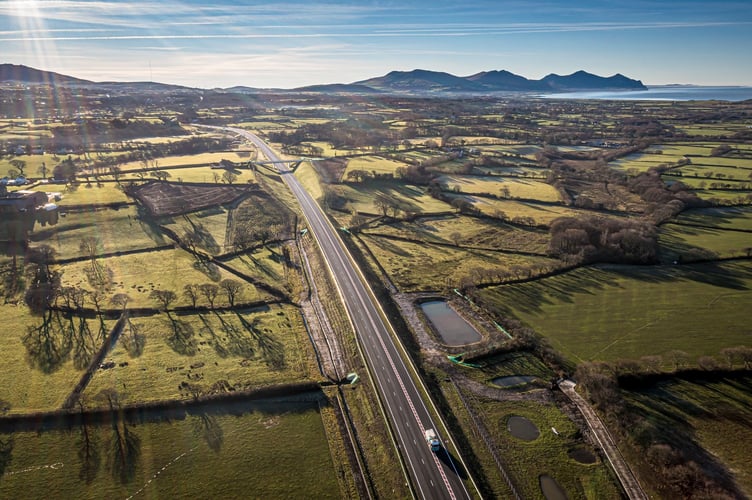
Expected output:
(582, 455)
(551, 489)
(453, 329)
(522, 428)
(512, 380)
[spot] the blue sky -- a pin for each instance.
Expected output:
(293, 43)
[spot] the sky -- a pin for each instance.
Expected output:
(288, 44)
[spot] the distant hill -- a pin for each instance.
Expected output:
(582, 80)
(415, 81)
(503, 80)
(421, 80)
(496, 81)
(24, 74)
(339, 88)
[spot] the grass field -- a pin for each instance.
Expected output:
(713, 414)
(246, 350)
(486, 233)
(108, 226)
(25, 388)
(373, 164)
(362, 197)
(676, 240)
(547, 454)
(232, 452)
(725, 218)
(85, 193)
(517, 188)
(612, 312)
(420, 267)
(138, 274)
(541, 214)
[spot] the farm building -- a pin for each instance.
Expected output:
(20, 210)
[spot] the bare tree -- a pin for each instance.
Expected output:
(163, 297)
(231, 288)
(456, 238)
(209, 291)
(121, 300)
(191, 292)
(229, 176)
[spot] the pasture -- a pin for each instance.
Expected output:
(613, 312)
(236, 449)
(710, 414)
(548, 453)
(503, 187)
(459, 230)
(213, 352)
(26, 388)
(687, 243)
(415, 267)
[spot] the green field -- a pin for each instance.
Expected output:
(713, 414)
(677, 240)
(108, 226)
(540, 213)
(231, 452)
(83, 193)
(739, 218)
(245, 349)
(469, 231)
(362, 197)
(420, 267)
(501, 187)
(372, 164)
(613, 312)
(25, 387)
(547, 454)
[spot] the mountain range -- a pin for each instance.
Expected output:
(415, 81)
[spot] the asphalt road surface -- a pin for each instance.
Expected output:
(434, 475)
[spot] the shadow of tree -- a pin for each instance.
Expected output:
(47, 345)
(123, 452)
(272, 350)
(181, 341)
(207, 426)
(6, 453)
(89, 454)
(238, 342)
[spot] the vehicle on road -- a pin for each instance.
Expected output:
(432, 440)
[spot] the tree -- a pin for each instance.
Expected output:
(383, 203)
(19, 165)
(191, 292)
(229, 176)
(163, 297)
(209, 291)
(161, 175)
(121, 300)
(231, 288)
(42, 170)
(456, 238)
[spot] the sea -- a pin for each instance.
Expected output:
(663, 93)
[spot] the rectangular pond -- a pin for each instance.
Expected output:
(452, 328)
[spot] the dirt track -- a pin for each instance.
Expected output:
(628, 481)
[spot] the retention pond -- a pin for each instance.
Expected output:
(454, 330)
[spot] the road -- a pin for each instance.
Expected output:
(433, 475)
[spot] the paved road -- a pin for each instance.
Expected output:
(434, 475)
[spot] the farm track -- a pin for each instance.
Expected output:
(629, 482)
